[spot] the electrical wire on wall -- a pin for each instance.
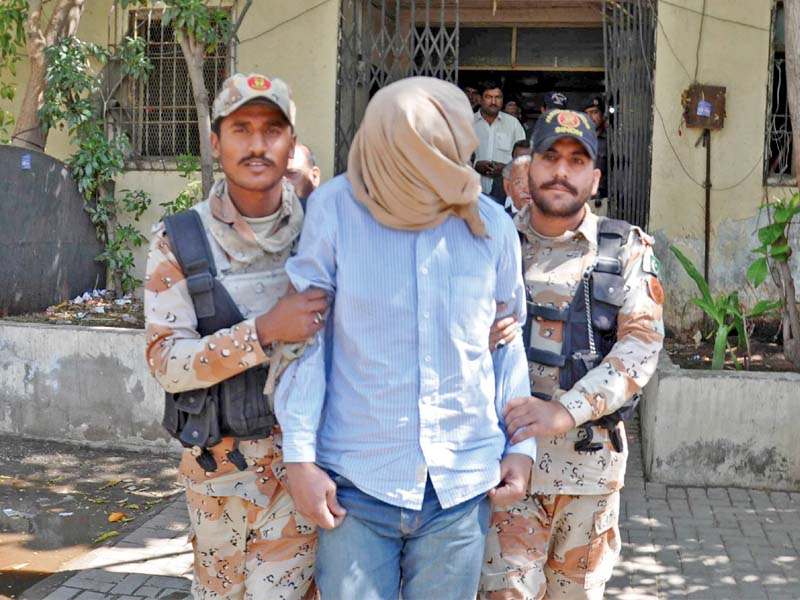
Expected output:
(760, 159)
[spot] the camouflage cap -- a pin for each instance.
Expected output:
(239, 89)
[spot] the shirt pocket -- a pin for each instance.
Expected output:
(472, 309)
(503, 142)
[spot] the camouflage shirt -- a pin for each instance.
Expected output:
(251, 267)
(553, 268)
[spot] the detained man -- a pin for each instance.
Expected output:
(396, 446)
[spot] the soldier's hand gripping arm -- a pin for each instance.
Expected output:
(180, 358)
(627, 367)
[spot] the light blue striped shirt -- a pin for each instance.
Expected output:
(410, 389)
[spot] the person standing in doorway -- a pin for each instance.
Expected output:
(497, 132)
(596, 109)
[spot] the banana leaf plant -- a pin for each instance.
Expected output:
(725, 312)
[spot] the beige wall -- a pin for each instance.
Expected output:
(296, 41)
(737, 57)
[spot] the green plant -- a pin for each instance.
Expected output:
(726, 313)
(775, 252)
(188, 167)
(74, 98)
(12, 39)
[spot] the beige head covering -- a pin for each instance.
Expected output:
(409, 160)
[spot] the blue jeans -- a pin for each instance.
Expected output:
(380, 550)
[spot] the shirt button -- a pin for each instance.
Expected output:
(426, 314)
(424, 270)
(428, 358)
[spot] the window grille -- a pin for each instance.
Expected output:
(160, 116)
(778, 166)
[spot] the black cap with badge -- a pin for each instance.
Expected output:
(556, 124)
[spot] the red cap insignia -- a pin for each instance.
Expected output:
(260, 84)
(569, 119)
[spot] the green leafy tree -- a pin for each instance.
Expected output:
(44, 24)
(775, 254)
(12, 39)
(75, 100)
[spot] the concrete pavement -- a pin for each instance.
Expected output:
(678, 542)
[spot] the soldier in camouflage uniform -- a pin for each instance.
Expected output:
(249, 542)
(563, 540)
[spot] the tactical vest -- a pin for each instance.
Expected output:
(235, 407)
(590, 327)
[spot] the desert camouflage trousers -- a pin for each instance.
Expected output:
(243, 551)
(551, 546)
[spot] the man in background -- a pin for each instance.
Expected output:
(497, 132)
(303, 172)
(596, 109)
(515, 184)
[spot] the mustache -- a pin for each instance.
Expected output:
(269, 161)
(556, 182)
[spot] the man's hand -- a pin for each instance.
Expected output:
(484, 167)
(527, 417)
(496, 169)
(503, 330)
(295, 318)
(314, 494)
(515, 475)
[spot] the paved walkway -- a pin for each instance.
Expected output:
(699, 543)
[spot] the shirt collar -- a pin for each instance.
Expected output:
(479, 117)
(509, 205)
(587, 229)
(224, 210)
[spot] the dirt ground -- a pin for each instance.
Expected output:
(765, 355)
(56, 500)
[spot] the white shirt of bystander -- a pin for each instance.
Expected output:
(496, 141)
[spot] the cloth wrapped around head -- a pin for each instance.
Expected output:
(409, 162)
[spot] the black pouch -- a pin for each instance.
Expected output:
(246, 411)
(171, 420)
(200, 410)
(609, 295)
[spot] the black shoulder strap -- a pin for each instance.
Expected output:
(611, 237)
(214, 307)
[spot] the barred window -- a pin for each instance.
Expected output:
(778, 167)
(162, 116)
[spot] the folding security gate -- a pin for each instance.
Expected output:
(629, 32)
(381, 41)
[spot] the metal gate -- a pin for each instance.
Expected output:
(381, 41)
(629, 32)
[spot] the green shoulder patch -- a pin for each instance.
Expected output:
(650, 264)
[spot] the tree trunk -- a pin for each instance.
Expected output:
(194, 53)
(28, 131)
(791, 320)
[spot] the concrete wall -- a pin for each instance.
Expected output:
(736, 56)
(721, 428)
(87, 385)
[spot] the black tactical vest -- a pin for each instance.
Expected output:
(590, 327)
(235, 407)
